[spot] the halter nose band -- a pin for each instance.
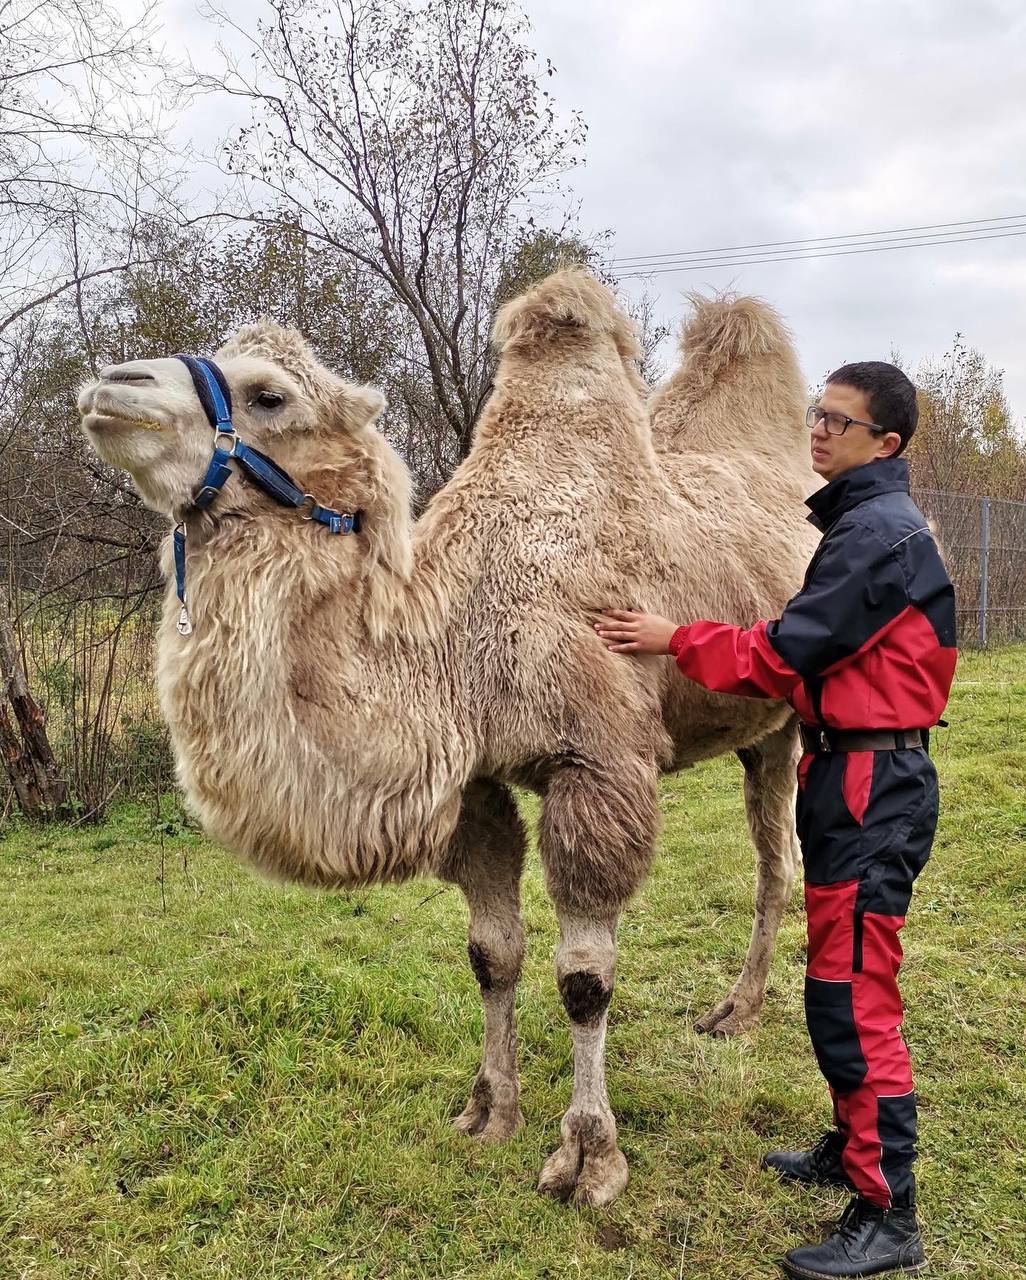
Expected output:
(212, 388)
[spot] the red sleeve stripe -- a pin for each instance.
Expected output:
(733, 660)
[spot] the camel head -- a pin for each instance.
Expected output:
(146, 417)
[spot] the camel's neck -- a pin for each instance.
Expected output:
(312, 751)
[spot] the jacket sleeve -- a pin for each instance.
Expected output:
(855, 595)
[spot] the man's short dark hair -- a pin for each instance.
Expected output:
(892, 397)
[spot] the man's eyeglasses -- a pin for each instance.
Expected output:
(837, 423)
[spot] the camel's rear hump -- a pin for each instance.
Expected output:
(738, 386)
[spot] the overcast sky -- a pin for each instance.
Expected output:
(718, 124)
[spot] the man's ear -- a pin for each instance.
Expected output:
(889, 445)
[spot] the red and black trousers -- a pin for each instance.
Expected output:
(866, 821)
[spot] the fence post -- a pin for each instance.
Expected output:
(984, 549)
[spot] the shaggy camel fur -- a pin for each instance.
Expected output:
(353, 709)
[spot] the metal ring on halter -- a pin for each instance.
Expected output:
(307, 498)
(228, 435)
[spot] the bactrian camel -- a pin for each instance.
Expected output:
(353, 709)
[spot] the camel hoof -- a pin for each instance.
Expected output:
(559, 1173)
(601, 1180)
(729, 1018)
(490, 1127)
(487, 1118)
(590, 1180)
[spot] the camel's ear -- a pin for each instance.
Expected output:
(357, 407)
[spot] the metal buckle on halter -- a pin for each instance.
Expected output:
(333, 521)
(228, 435)
(205, 496)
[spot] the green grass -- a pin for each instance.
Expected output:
(256, 1082)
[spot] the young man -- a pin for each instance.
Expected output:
(865, 653)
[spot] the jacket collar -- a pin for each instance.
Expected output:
(851, 488)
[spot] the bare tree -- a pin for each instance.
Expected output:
(412, 137)
(82, 159)
(82, 151)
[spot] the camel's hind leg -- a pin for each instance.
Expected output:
(485, 859)
(597, 832)
(770, 785)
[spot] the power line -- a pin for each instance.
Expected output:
(943, 237)
(809, 257)
(812, 240)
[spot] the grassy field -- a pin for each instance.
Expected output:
(214, 1077)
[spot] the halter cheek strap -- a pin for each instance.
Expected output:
(215, 396)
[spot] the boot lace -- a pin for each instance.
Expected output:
(853, 1218)
(825, 1152)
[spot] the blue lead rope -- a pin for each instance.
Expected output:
(215, 396)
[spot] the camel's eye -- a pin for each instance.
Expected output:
(269, 399)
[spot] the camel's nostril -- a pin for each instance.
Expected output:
(126, 375)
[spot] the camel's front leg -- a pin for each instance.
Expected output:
(588, 1166)
(770, 786)
(485, 859)
(597, 833)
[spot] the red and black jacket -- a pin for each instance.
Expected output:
(869, 641)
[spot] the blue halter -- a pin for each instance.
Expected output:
(215, 396)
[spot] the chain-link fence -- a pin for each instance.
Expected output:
(983, 541)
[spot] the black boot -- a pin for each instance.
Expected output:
(821, 1166)
(868, 1241)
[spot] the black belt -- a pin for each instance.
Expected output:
(821, 741)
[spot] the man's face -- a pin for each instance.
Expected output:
(833, 455)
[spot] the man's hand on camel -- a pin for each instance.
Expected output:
(628, 631)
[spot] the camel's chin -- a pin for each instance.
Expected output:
(121, 441)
